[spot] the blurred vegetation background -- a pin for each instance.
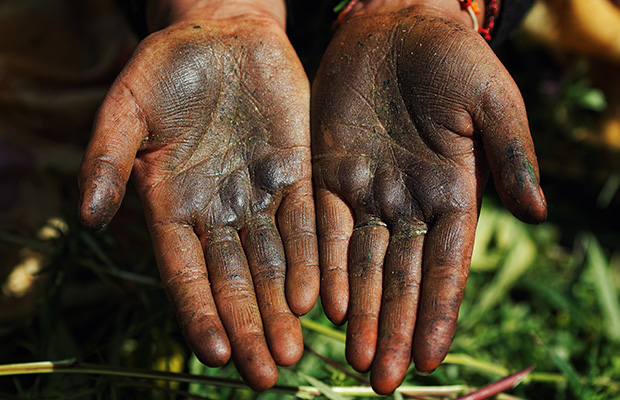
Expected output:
(544, 296)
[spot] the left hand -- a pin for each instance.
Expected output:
(410, 110)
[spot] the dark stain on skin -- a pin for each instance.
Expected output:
(107, 192)
(526, 169)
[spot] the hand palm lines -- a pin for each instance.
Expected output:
(399, 151)
(237, 139)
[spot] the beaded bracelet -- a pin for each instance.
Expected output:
(491, 10)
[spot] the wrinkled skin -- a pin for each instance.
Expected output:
(213, 120)
(409, 114)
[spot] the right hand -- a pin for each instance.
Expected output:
(212, 117)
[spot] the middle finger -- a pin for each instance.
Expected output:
(265, 253)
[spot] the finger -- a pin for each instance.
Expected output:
(335, 226)
(265, 253)
(296, 220)
(117, 133)
(368, 246)
(510, 151)
(184, 275)
(399, 304)
(445, 267)
(233, 291)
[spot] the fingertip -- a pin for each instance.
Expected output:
(264, 380)
(255, 365)
(209, 344)
(102, 192)
(96, 213)
(537, 210)
(427, 356)
(422, 373)
(387, 374)
(434, 334)
(529, 206)
(285, 340)
(302, 289)
(517, 179)
(361, 346)
(383, 384)
(335, 308)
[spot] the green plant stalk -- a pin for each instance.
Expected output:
(478, 365)
(494, 369)
(322, 329)
(73, 367)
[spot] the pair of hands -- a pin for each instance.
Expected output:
(410, 109)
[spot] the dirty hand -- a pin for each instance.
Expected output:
(210, 117)
(410, 110)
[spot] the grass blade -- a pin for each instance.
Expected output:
(322, 329)
(519, 258)
(606, 291)
(321, 387)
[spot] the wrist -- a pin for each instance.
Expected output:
(448, 9)
(163, 13)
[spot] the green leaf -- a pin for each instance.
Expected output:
(606, 290)
(520, 257)
(483, 257)
(321, 387)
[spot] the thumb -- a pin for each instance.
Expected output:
(503, 126)
(118, 131)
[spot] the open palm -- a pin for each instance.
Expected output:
(213, 120)
(409, 113)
